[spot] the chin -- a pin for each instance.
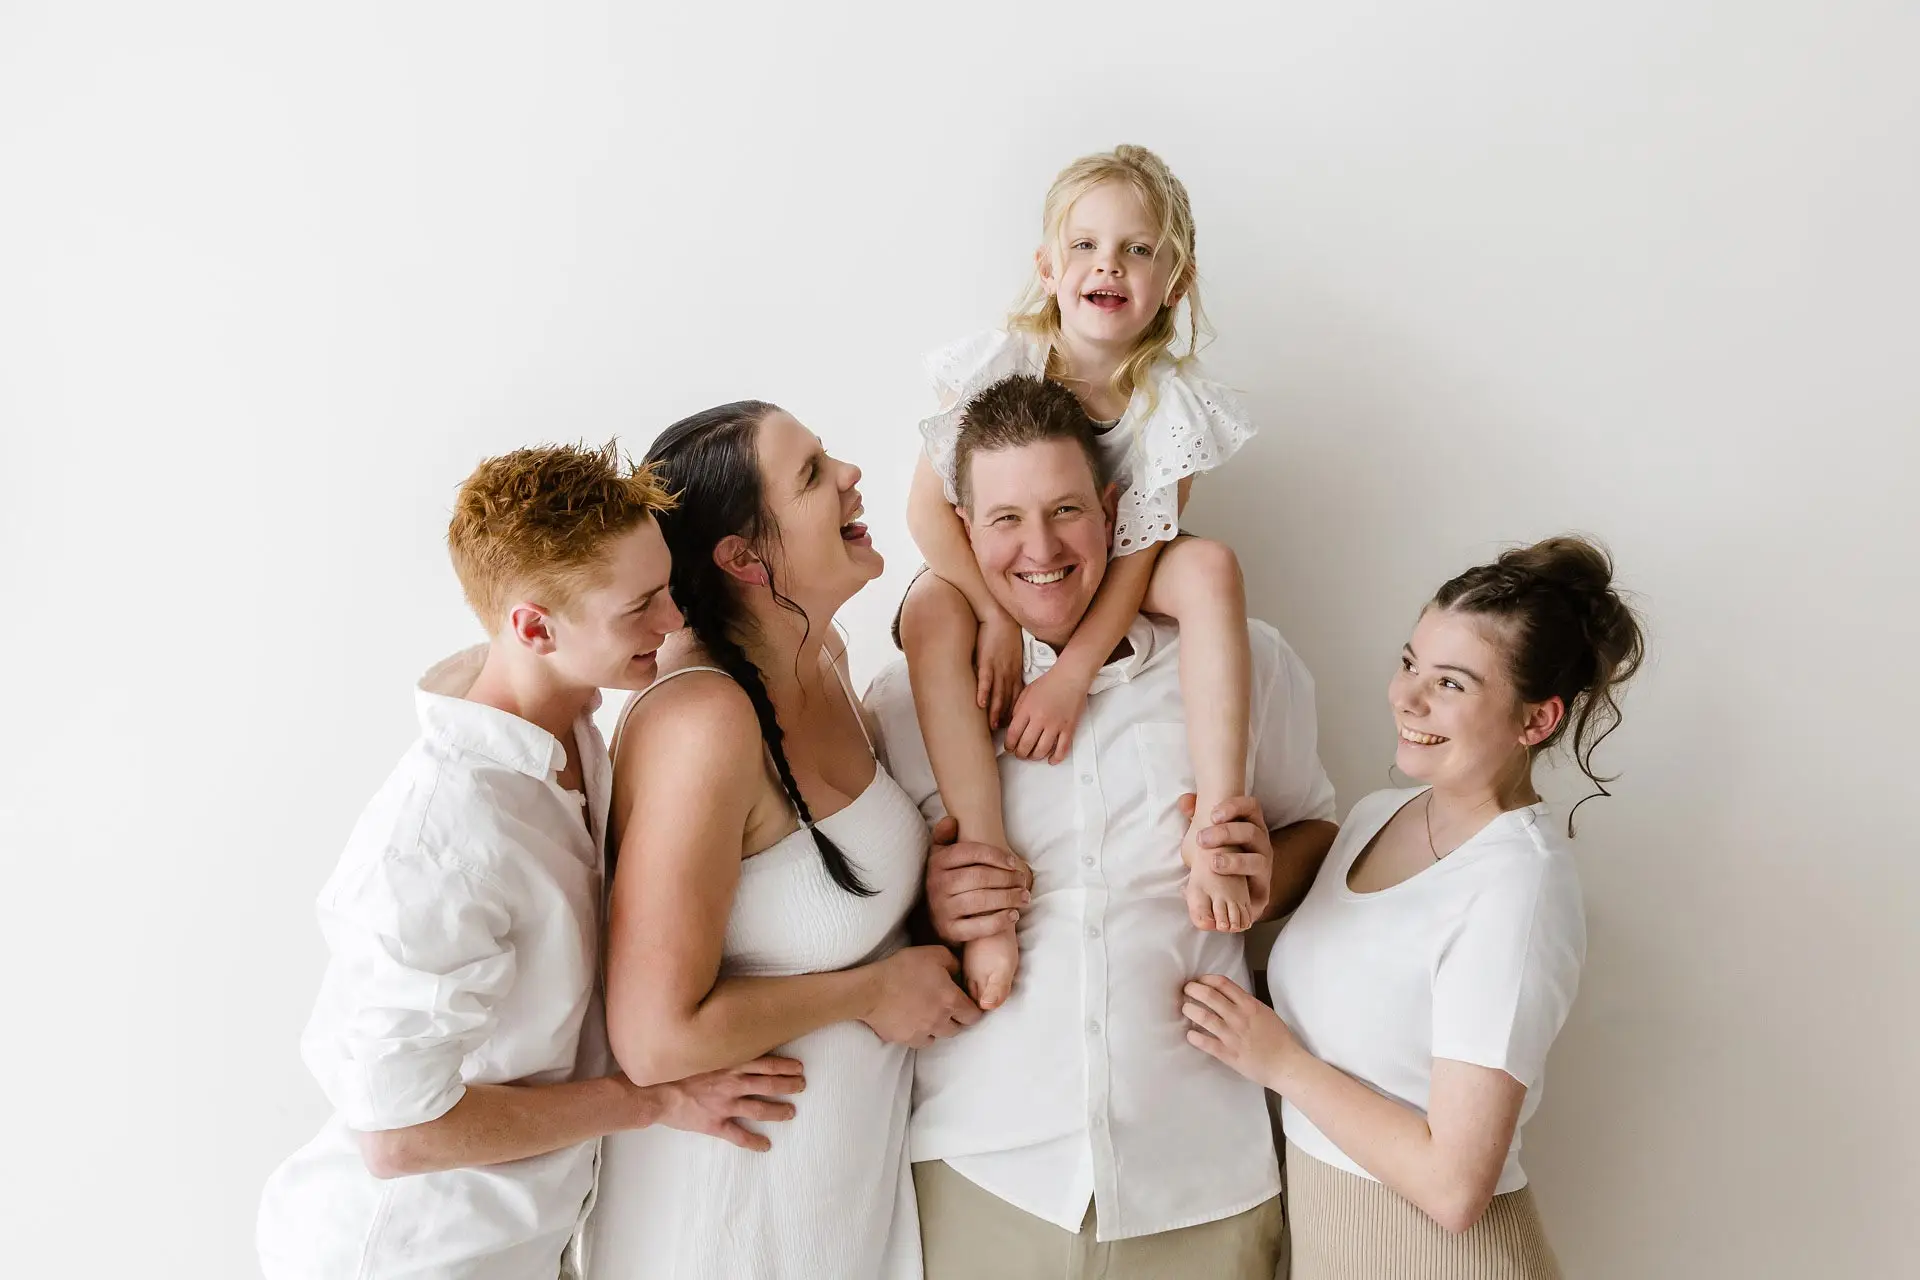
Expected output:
(1415, 762)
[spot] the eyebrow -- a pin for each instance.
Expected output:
(1468, 672)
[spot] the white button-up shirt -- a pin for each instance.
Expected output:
(463, 923)
(1082, 1085)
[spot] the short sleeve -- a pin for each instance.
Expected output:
(419, 959)
(1195, 424)
(960, 371)
(1288, 779)
(1506, 979)
(897, 740)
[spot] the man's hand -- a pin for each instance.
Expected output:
(1240, 845)
(716, 1103)
(973, 890)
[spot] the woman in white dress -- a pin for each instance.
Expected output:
(765, 866)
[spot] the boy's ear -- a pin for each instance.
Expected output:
(532, 626)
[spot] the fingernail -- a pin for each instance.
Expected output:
(1025, 897)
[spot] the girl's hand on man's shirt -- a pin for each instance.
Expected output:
(1047, 712)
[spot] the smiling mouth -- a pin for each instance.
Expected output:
(1046, 579)
(1105, 299)
(1421, 739)
(853, 530)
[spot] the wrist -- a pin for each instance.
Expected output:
(1283, 1073)
(639, 1106)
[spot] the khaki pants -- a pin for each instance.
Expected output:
(967, 1233)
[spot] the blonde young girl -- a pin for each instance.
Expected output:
(1099, 317)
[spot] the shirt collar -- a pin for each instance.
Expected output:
(1143, 638)
(488, 732)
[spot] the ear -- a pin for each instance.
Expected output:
(738, 561)
(1542, 718)
(1043, 263)
(1110, 507)
(966, 519)
(532, 626)
(1178, 289)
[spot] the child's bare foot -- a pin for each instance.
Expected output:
(989, 964)
(1214, 901)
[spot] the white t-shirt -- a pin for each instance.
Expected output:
(1475, 958)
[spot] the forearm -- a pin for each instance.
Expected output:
(495, 1123)
(1298, 851)
(1388, 1139)
(739, 1020)
(942, 540)
(1115, 605)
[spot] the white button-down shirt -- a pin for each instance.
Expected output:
(1082, 1085)
(463, 923)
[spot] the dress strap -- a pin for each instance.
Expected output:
(620, 725)
(859, 717)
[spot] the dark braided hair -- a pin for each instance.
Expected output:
(1569, 636)
(710, 463)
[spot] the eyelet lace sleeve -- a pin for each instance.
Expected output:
(1195, 425)
(960, 371)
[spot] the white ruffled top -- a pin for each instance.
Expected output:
(1194, 425)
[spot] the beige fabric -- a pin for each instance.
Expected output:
(967, 1233)
(1345, 1227)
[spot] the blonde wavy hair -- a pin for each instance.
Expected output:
(1038, 312)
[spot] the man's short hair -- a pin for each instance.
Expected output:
(534, 524)
(1019, 411)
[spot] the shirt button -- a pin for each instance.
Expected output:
(1086, 859)
(1093, 931)
(1086, 779)
(1093, 1028)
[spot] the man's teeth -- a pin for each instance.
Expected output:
(1420, 739)
(1042, 579)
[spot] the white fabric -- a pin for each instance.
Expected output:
(1475, 958)
(1179, 423)
(1083, 1084)
(834, 1197)
(462, 924)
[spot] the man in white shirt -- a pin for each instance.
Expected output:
(459, 1033)
(1073, 1131)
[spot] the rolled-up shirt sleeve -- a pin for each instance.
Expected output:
(420, 955)
(1288, 779)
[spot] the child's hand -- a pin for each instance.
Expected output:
(1045, 714)
(1235, 1027)
(998, 660)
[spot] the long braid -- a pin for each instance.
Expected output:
(727, 652)
(710, 461)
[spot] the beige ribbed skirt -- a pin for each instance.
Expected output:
(1345, 1227)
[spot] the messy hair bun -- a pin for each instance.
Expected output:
(1569, 635)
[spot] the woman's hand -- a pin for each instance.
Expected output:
(999, 666)
(715, 1103)
(1045, 714)
(1233, 1026)
(918, 1001)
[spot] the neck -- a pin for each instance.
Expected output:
(520, 685)
(784, 645)
(1512, 788)
(1089, 365)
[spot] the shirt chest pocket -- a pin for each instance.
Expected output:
(1166, 770)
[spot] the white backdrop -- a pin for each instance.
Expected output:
(273, 277)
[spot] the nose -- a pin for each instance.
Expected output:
(671, 619)
(1405, 695)
(850, 476)
(1042, 543)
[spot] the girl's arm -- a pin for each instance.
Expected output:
(687, 782)
(1446, 1162)
(942, 539)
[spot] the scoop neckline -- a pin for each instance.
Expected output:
(1453, 858)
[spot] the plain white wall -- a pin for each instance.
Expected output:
(272, 278)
